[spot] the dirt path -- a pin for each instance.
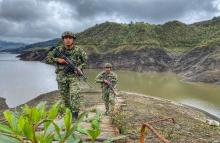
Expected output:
(108, 130)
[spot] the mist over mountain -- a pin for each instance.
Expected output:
(10, 45)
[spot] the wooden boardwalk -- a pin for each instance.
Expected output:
(108, 130)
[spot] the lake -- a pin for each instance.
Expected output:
(21, 81)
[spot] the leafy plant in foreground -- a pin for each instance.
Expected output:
(36, 125)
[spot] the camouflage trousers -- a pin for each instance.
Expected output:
(70, 92)
(108, 98)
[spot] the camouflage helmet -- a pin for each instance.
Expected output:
(68, 33)
(108, 65)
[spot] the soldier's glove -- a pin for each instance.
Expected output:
(106, 82)
(61, 61)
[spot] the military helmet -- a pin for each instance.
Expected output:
(68, 33)
(108, 65)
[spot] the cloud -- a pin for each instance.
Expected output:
(37, 20)
(216, 4)
(20, 10)
(154, 11)
(33, 20)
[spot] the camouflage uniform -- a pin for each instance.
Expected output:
(112, 77)
(68, 83)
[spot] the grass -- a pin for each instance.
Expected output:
(143, 109)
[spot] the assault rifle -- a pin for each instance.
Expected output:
(71, 67)
(109, 85)
(112, 89)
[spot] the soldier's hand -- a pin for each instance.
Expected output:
(106, 81)
(61, 61)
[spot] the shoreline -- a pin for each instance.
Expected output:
(183, 80)
(208, 115)
(211, 116)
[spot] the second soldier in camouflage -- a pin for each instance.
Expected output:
(107, 78)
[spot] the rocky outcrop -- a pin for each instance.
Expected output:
(148, 59)
(3, 105)
(36, 55)
(200, 64)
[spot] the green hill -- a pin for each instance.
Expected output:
(42, 45)
(171, 36)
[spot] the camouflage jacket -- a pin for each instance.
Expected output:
(112, 77)
(76, 54)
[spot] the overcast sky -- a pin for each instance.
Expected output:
(39, 20)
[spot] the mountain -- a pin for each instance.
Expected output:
(42, 45)
(35, 46)
(10, 45)
(172, 36)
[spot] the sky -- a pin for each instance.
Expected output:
(31, 21)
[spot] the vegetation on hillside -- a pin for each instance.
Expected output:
(172, 36)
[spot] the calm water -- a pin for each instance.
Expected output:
(22, 81)
(170, 86)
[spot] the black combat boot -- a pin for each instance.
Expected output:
(74, 116)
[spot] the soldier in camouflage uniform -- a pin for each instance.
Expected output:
(107, 78)
(68, 83)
